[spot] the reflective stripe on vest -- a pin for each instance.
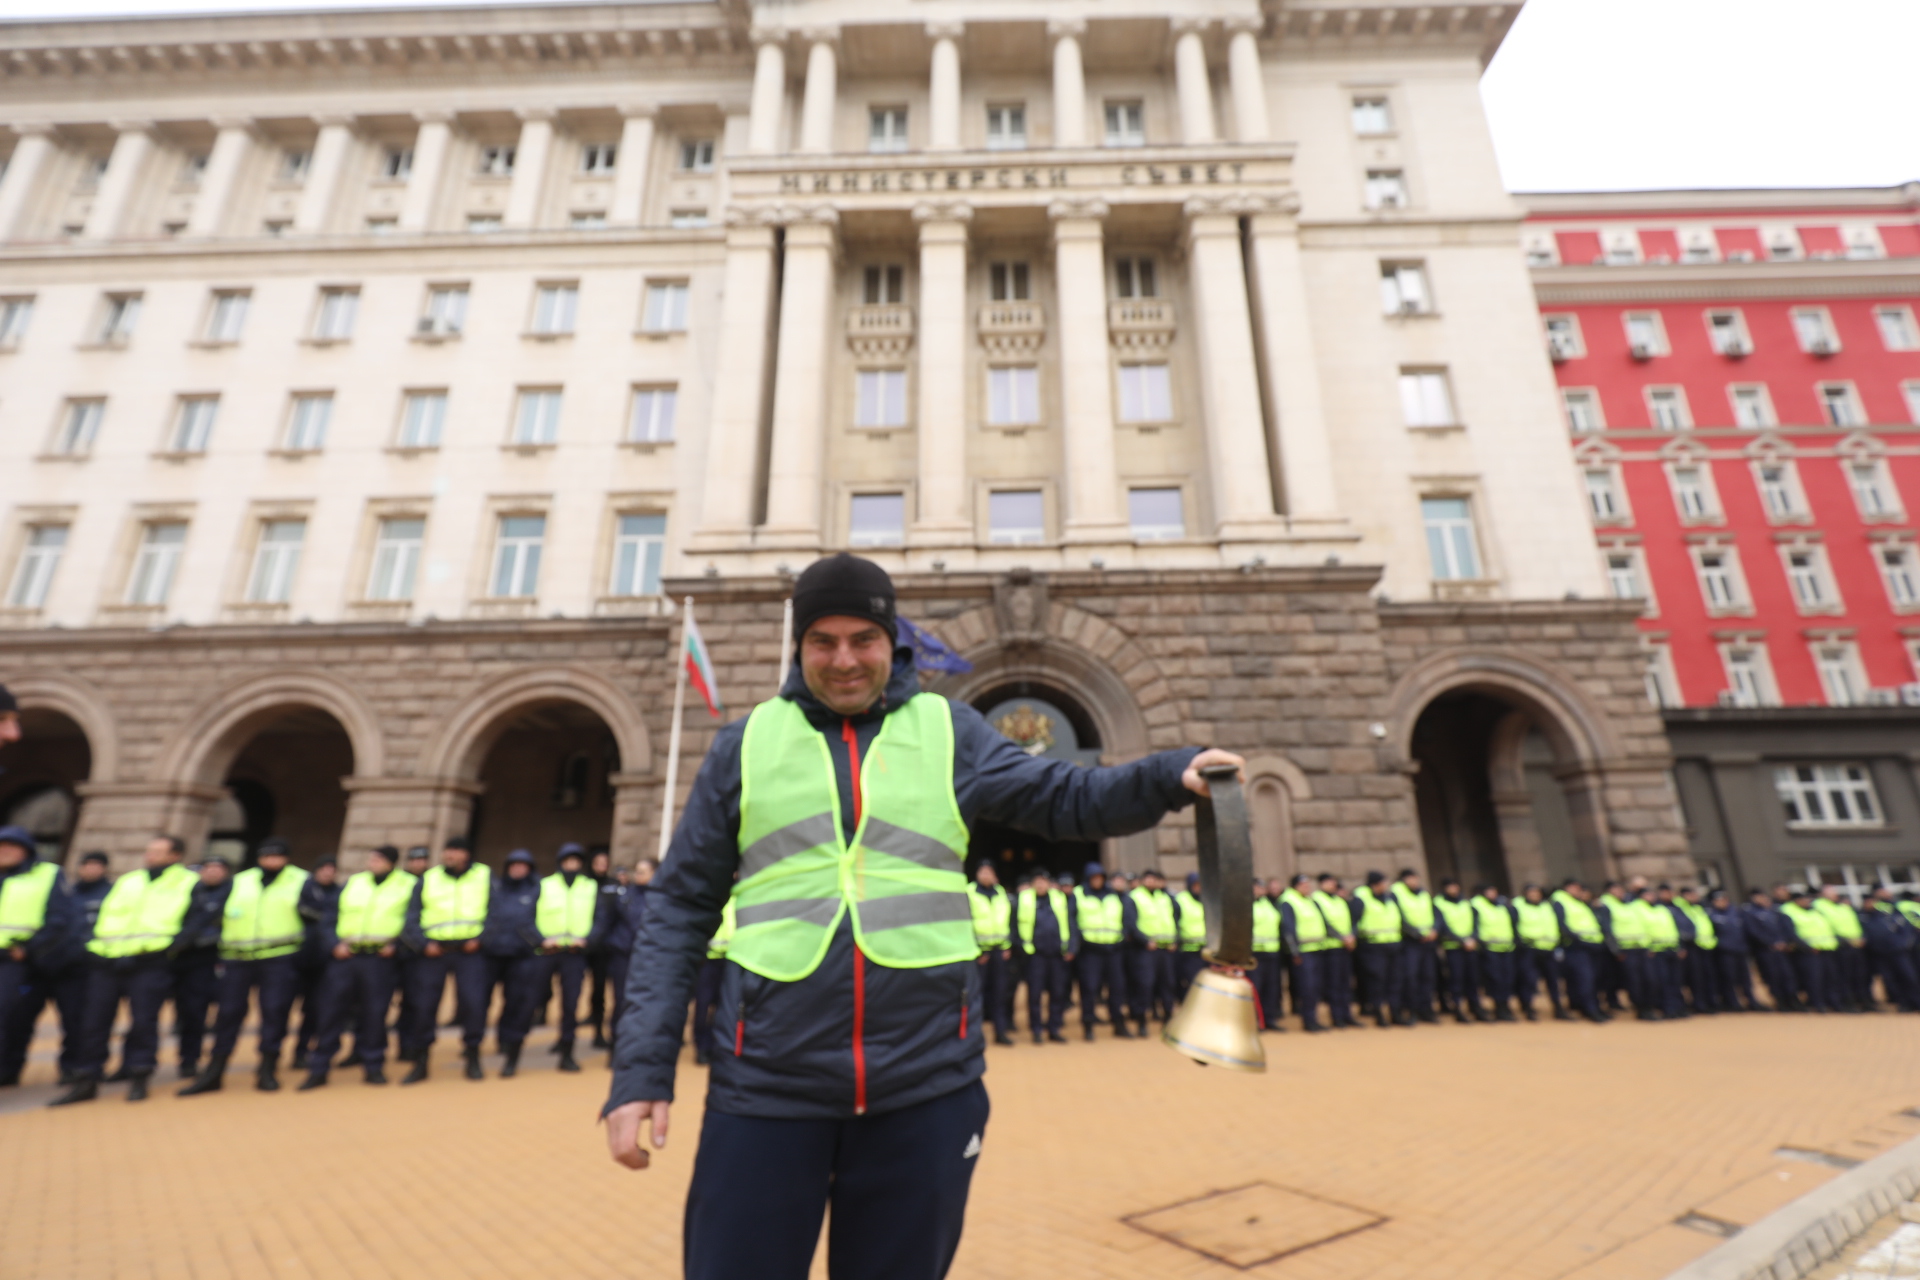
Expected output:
(23, 902)
(373, 914)
(723, 936)
(454, 908)
(564, 912)
(1911, 910)
(143, 912)
(1030, 907)
(1309, 926)
(1495, 925)
(1845, 922)
(901, 878)
(1099, 916)
(1338, 914)
(1416, 907)
(1266, 925)
(1459, 918)
(1156, 914)
(1629, 926)
(1379, 917)
(992, 918)
(1581, 922)
(1539, 927)
(1703, 935)
(1813, 929)
(1193, 921)
(262, 920)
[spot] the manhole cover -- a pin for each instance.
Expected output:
(1247, 1226)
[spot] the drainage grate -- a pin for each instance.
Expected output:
(1248, 1226)
(1811, 1156)
(1712, 1226)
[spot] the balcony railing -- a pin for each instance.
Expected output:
(880, 330)
(1140, 322)
(1012, 328)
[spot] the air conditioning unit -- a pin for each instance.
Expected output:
(1728, 698)
(1560, 350)
(1412, 307)
(1883, 697)
(1740, 255)
(1642, 351)
(1392, 200)
(1910, 693)
(1734, 348)
(1823, 346)
(434, 327)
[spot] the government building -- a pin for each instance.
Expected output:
(376, 387)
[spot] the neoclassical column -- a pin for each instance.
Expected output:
(769, 101)
(1086, 385)
(817, 105)
(230, 146)
(634, 162)
(726, 515)
(130, 151)
(30, 155)
(943, 87)
(1069, 83)
(1230, 390)
(1293, 373)
(323, 173)
(431, 142)
(943, 516)
(1250, 120)
(796, 466)
(529, 167)
(1195, 91)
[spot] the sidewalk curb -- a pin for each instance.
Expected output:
(1793, 1240)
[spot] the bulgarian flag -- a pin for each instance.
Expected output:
(700, 668)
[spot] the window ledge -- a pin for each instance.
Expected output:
(412, 450)
(1013, 428)
(1613, 522)
(1844, 828)
(213, 344)
(18, 616)
(1438, 428)
(108, 344)
(1151, 428)
(293, 455)
(537, 335)
(1731, 611)
(659, 335)
(1885, 517)
(527, 450)
(1434, 314)
(133, 615)
(1715, 521)
(257, 611)
(645, 446)
(632, 607)
(178, 455)
(380, 610)
(434, 339)
(1822, 610)
(1794, 518)
(880, 432)
(324, 342)
(504, 607)
(1466, 588)
(79, 455)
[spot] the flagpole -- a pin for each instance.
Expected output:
(786, 646)
(673, 738)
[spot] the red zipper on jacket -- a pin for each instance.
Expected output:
(859, 960)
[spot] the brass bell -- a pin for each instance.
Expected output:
(1217, 1024)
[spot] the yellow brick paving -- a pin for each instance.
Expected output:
(1529, 1151)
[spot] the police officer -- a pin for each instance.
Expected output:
(1770, 935)
(1190, 922)
(1049, 939)
(1663, 952)
(1615, 979)
(1419, 945)
(362, 932)
(316, 900)
(444, 921)
(1853, 979)
(1304, 933)
(569, 921)
(36, 917)
(196, 970)
(1702, 951)
(706, 991)
(511, 943)
(1624, 916)
(1380, 929)
(140, 922)
(260, 933)
(1538, 927)
(1493, 927)
(1890, 940)
(1099, 912)
(993, 932)
(600, 867)
(1815, 945)
(63, 969)
(1583, 943)
(418, 862)
(1336, 963)
(1460, 949)
(625, 909)
(1266, 959)
(1151, 950)
(1732, 954)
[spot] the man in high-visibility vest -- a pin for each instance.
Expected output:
(444, 920)
(1623, 917)
(418, 862)
(1101, 917)
(1584, 941)
(511, 943)
(362, 933)
(1336, 963)
(1663, 952)
(1152, 944)
(1815, 944)
(851, 1077)
(142, 919)
(1770, 939)
(568, 918)
(260, 934)
(58, 971)
(1701, 942)
(1493, 925)
(36, 918)
(1419, 945)
(1460, 949)
(1304, 934)
(1613, 978)
(1379, 927)
(992, 914)
(1044, 921)
(1891, 938)
(1190, 922)
(1732, 954)
(196, 967)
(1537, 926)
(1266, 958)
(1852, 977)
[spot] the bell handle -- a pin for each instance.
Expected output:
(1226, 868)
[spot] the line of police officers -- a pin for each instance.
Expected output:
(1393, 951)
(274, 934)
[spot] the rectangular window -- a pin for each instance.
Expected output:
(1719, 579)
(1808, 578)
(496, 162)
(1156, 513)
(880, 398)
(536, 420)
(1827, 795)
(1814, 329)
(1749, 683)
(639, 543)
(1667, 407)
(884, 285)
(121, 315)
(446, 314)
(1896, 328)
(334, 320)
(155, 562)
(1450, 541)
(396, 558)
(228, 316)
(1126, 124)
(1840, 676)
(598, 157)
(696, 155)
(1145, 394)
(1662, 689)
(1563, 337)
(422, 417)
(1135, 278)
(887, 129)
(1583, 410)
(15, 315)
(1728, 333)
(1840, 406)
(1013, 395)
(1620, 248)
(1911, 390)
(1603, 495)
(307, 423)
(666, 307)
(1783, 244)
(1696, 245)
(1870, 494)
(1691, 495)
(1897, 571)
(1623, 575)
(877, 520)
(1009, 282)
(1425, 400)
(1862, 242)
(1751, 407)
(653, 412)
(1016, 516)
(684, 218)
(1778, 490)
(396, 163)
(1007, 128)
(516, 557)
(193, 424)
(33, 576)
(1371, 115)
(587, 221)
(1386, 189)
(1403, 291)
(484, 223)
(1645, 339)
(294, 165)
(554, 307)
(79, 425)
(275, 560)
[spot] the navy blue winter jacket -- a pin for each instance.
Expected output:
(626, 906)
(789, 1050)
(510, 932)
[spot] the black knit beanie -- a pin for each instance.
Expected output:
(842, 586)
(9, 703)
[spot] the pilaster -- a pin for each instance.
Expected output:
(943, 517)
(1086, 382)
(796, 470)
(635, 161)
(130, 151)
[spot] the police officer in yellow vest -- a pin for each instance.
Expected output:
(361, 931)
(444, 920)
(1537, 925)
(847, 1043)
(1419, 945)
(569, 922)
(1101, 915)
(1267, 960)
(36, 920)
(1459, 951)
(1493, 927)
(1700, 940)
(1304, 934)
(1383, 990)
(1625, 967)
(142, 918)
(1336, 964)
(260, 933)
(1663, 952)
(1583, 941)
(1151, 948)
(993, 934)
(1043, 920)
(1853, 977)
(1815, 945)
(1190, 922)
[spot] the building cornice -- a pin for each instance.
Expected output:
(1691, 282)
(1782, 202)
(1368, 29)
(431, 631)
(1428, 612)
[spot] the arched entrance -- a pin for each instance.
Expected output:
(547, 777)
(40, 778)
(1042, 721)
(283, 779)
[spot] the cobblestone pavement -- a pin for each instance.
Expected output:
(1527, 1151)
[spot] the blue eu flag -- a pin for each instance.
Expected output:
(930, 652)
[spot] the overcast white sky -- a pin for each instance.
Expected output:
(1614, 94)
